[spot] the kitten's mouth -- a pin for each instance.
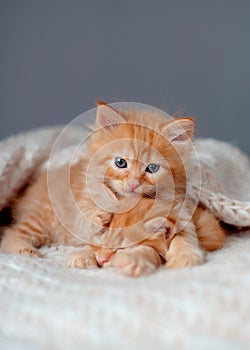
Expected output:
(126, 192)
(133, 192)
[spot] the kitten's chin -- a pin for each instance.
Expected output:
(127, 196)
(132, 194)
(136, 192)
(123, 193)
(123, 196)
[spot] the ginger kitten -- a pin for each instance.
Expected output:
(130, 155)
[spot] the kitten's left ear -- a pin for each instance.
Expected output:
(180, 130)
(107, 116)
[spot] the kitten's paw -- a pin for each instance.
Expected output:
(30, 251)
(83, 259)
(132, 265)
(99, 220)
(180, 259)
(104, 217)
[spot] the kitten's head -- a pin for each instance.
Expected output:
(139, 152)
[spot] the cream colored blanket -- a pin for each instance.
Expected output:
(44, 305)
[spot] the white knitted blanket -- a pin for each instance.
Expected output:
(44, 305)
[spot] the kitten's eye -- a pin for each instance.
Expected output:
(152, 168)
(120, 163)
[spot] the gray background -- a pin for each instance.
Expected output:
(58, 56)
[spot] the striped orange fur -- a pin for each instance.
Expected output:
(154, 151)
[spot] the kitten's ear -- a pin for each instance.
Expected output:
(158, 224)
(107, 116)
(180, 131)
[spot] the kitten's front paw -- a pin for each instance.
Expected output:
(83, 259)
(180, 259)
(132, 265)
(99, 220)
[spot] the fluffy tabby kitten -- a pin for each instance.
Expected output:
(130, 155)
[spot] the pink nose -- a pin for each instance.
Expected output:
(101, 260)
(133, 184)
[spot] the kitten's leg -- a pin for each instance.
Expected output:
(18, 240)
(83, 259)
(184, 249)
(209, 232)
(136, 261)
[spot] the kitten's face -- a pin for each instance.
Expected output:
(137, 153)
(134, 167)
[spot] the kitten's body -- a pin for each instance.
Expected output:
(137, 244)
(64, 209)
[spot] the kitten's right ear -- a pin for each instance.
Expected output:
(180, 131)
(107, 116)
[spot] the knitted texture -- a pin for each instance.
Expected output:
(225, 187)
(45, 305)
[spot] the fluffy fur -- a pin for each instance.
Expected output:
(103, 207)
